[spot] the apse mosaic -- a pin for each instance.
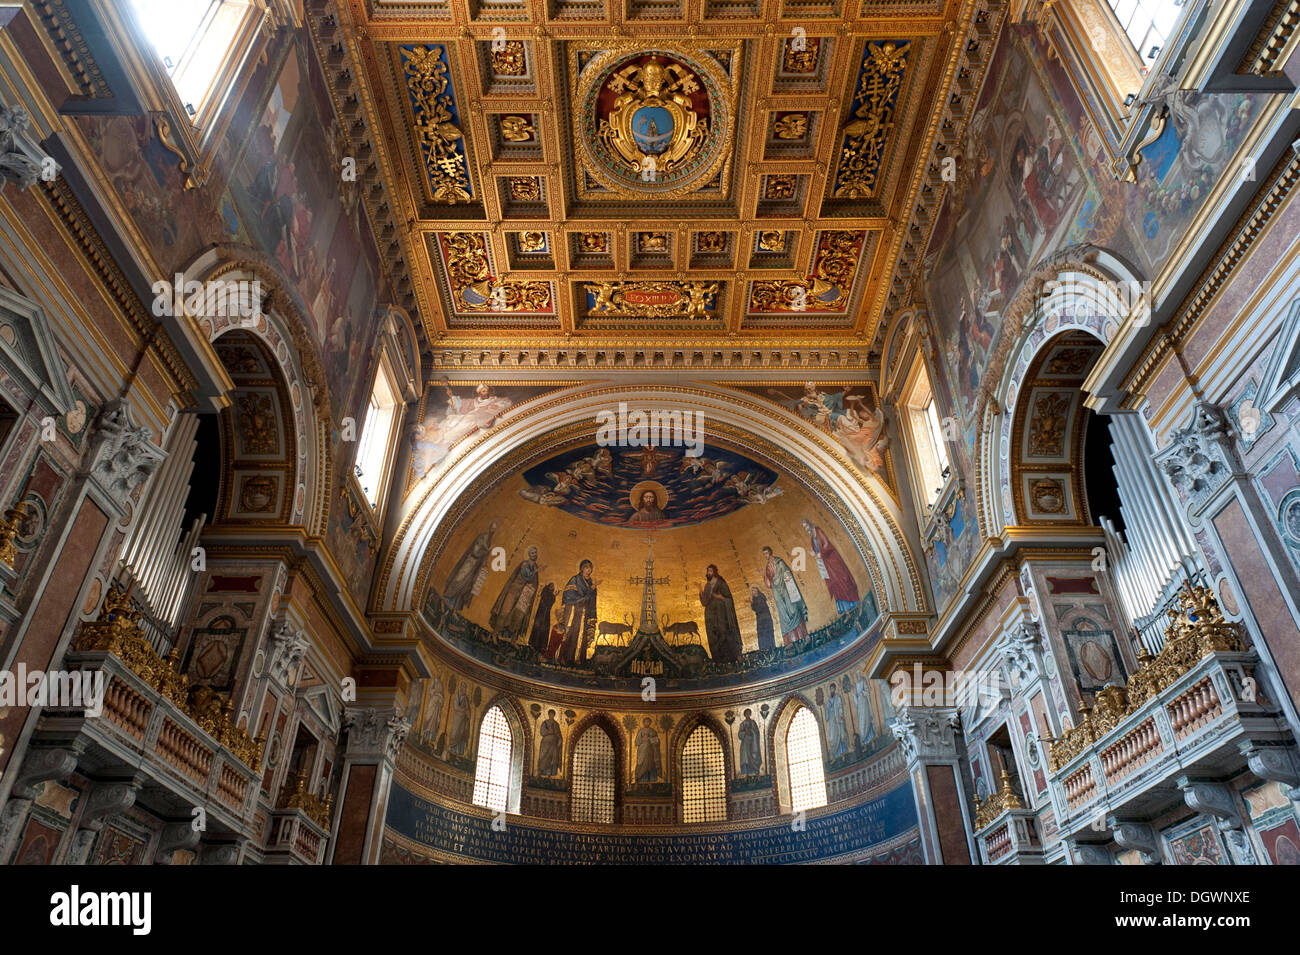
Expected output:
(600, 565)
(649, 487)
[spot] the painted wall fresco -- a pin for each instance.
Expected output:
(281, 185)
(549, 572)
(274, 188)
(851, 413)
(1041, 183)
(450, 413)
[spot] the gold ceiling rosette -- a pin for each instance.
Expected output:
(654, 122)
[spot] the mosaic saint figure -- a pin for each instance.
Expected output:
(837, 742)
(648, 509)
(579, 616)
(548, 750)
(839, 581)
(542, 619)
(648, 765)
(790, 606)
(433, 702)
(556, 639)
(862, 701)
(458, 739)
(470, 572)
(751, 758)
(762, 619)
(514, 605)
(720, 622)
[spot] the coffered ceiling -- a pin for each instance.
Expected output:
(542, 174)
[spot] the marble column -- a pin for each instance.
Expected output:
(929, 740)
(374, 736)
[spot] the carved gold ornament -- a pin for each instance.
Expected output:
(1070, 361)
(826, 290)
(294, 795)
(257, 423)
(1195, 631)
(525, 189)
(509, 60)
(771, 241)
(791, 126)
(865, 133)
(1002, 800)
(9, 529)
(439, 137)
(654, 121)
(1048, 495)
(257, 495)
(594, 242)
(117, 631)
(796, 60)
(712, 242)
(652, 299)
(474, 289)
(517, 129)
(532, 242)
(1047, 426)
(779, 187)
(653, 241)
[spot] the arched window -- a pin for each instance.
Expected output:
(492, 774)
(200, 42)
(803, 755)
(592, 795)
(704, 786)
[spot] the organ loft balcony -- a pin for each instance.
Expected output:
(175, 741)
(1197, 711)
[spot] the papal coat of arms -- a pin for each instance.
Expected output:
(654, 121)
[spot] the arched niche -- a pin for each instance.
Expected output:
(259, 440)
(1047, 426)
(1086, 292)
(281, 333)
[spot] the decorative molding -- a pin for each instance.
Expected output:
(288, 647)
(1200, 457)
(124, 456)
(927, 733)
(1171, 336)
(1139, 836)
(374, 734)
(22, 161)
